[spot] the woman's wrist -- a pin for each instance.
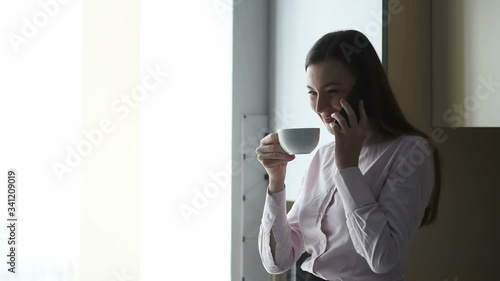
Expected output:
(276, 185)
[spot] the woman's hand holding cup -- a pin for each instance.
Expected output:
(274, 159)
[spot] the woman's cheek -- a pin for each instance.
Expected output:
(335, 102)
(312, 104)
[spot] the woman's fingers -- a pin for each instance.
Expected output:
(271, 148)
(271, 158)
(341, 121)
(270, 151)
(272, 162)
(270, 143)
(269, 139)
(274, 155)
(336, 130)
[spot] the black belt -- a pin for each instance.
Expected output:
(312, 277)
(304, 275)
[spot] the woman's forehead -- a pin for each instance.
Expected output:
(330, 71)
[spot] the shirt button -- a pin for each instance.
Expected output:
(270, 216)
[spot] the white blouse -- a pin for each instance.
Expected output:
(357, 223)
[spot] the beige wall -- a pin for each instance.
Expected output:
(465, 39)
(464, 243)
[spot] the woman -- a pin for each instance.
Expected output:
(366, 193)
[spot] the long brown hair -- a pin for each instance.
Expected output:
(354, 50)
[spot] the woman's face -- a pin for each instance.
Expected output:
(327, 83)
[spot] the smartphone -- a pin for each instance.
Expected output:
(353, 100)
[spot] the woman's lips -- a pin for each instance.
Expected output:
(328, 119)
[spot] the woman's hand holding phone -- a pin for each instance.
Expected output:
(349, 139)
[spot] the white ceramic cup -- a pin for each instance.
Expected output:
(298, 140)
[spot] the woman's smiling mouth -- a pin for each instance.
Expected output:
(328, 119)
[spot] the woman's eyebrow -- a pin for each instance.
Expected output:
(326, 85)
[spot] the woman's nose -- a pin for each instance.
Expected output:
(322, 103)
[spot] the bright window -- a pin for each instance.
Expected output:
(40, 82)
(186, 141)
(185, 135)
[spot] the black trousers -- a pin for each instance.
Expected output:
(312, 277)
(304, 275)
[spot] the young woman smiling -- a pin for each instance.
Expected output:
(367, 192)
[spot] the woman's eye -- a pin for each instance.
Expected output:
(332, 92)
(311, 93)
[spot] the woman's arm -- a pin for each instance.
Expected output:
(382, 230)
(277, 186)
(280, 240)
